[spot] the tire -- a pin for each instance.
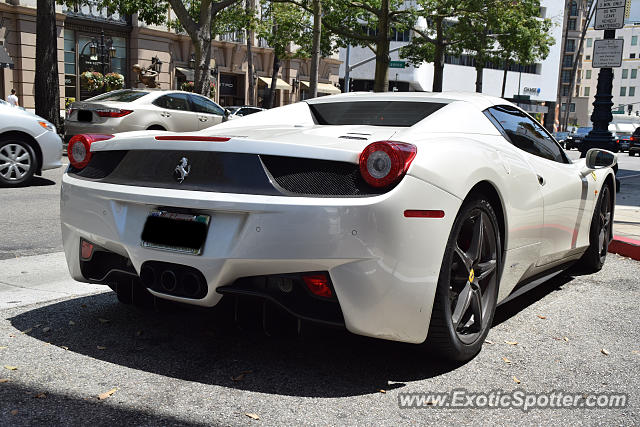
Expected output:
(18, 163)
(473, 247)
(599, 234)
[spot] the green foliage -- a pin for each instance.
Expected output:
(439, 24)
(284, 24)
(491, 30)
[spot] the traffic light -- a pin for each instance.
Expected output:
(629, 108)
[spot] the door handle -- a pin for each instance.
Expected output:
(203, 119)
(541, 180)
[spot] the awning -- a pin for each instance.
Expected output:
(5, 59)
(280, 84)
(323, 87)
(188, 73)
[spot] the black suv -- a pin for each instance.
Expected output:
(634, 144)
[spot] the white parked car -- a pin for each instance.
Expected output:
(402, 216)
(139, 109)
(29, 145)
(235, 112)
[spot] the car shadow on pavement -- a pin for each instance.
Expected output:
(23, 405)
(38, 181)
(207, 346)
(510, 308)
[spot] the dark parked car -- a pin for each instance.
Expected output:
(560, 137)
(634, 143)
(624, 141)
(575, 139)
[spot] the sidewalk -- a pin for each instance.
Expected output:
(626, 223)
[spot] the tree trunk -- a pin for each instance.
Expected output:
(202, 77)
(250, 7)
(269, 97)
(381, 82)
(47, 83)
(479, 73)
(438, 58)
(507, 63)
(315, 49)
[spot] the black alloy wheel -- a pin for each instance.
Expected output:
(467, 289)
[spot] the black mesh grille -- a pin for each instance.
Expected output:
(318, 177)
(101, 165)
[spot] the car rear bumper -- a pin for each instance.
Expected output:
(384, 267)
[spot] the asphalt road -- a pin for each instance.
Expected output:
(199, 367)
(70, 342)
(30, 216)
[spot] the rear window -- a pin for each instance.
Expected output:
(375, 113)
(120, 96)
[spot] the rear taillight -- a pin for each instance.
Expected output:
(79, 148)
(633, 138)
(384, 163)
(113, 113)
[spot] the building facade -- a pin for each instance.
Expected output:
(626, 81)
(82, 29)
(537, 81)
(574, 23)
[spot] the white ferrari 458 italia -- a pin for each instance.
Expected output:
(405, 217)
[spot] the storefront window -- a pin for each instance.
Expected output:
(70, 78)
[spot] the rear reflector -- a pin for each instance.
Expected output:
(192, 138)
(86, 250)
(417, 213)
(318, 284)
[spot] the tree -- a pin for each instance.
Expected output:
(47, 84)
(283, 24)
(438, 35)
(288, 29)
(198, 18)
(315, 47)
(366, 23)
(250, 7)
(522, 37)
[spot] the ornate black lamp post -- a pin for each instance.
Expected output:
(102, 48)
(600, 137)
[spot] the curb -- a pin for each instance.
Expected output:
(626, 247)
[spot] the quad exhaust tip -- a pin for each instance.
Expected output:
(174, 279)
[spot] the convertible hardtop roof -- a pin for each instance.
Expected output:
(479, 100)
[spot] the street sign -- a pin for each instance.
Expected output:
(607, 53)
(397, 64)
(609, 18)
(602, 4)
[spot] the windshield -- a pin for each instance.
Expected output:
(376, 113)
(120, 96)
(583, 131)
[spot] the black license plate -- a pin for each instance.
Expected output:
(85, 116)
(177, 232)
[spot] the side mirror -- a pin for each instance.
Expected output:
(226, 112)
(597, 158)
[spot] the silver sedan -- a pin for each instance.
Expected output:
(136, 109)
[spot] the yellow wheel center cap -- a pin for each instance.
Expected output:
(471, 276)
